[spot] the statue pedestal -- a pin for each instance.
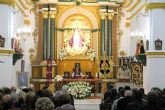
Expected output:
(104, 84)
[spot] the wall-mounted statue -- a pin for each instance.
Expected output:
(2, 41)
(147, 45)
(158, 44)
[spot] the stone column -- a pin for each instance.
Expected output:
(102, 36)
(52, 13)
(154, 72)
(109, 37)
(45, 33)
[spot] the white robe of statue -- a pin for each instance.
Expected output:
(76, 41)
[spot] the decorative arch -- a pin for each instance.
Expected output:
(80, 11)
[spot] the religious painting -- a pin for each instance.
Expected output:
(22, 79)
(77, 35)
(158, 44)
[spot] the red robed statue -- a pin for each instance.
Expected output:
(49, 70)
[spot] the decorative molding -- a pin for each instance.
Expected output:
(129, 4)
(103, 15)
(151, 6)
(27, 21)
(119, 30)
(7, 51)
(127, 23)
(155, 54)
(28, 3)
(124, 2)
(25, 15)
(52, 14)
(45, 14)
(110, 15)
(8, 2)
(144, 5)
(23, 5)
(133, 6)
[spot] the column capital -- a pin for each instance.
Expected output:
(110, 15)
(103, 15)
(52, 14)
(45, 14)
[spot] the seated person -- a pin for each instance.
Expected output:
(77, 72)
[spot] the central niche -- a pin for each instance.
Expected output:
(77, 35)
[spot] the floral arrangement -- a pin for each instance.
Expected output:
(91, 54)
(58, 78)
(62, 53)
(79, 89)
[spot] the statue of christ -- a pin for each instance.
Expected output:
(76, 42)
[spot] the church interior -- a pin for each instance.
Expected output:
(86, 44)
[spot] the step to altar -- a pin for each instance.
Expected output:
(87, 104)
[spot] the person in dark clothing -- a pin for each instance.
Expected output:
(127, 88)
(152, 98)
(108, 93)
(137, 104)
(107, 96)
(122, 103)
(161, 101)
(144, 96)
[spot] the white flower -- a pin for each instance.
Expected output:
(91, 54)
(79, 89)
(58, 78)
(62, 53)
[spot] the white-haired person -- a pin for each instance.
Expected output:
(122, 103)
(44, 103)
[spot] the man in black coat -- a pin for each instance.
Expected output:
(137, 104)
(122, 103)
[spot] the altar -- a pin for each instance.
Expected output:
(87, 104)
(94, 82)
(75, 35)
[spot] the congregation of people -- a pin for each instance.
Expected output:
(27, 99)
(126, 98)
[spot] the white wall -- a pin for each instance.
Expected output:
(157, 23)
(125, 38)
(6, 68)
(5, 21)
(11, 20)
(154, 72)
